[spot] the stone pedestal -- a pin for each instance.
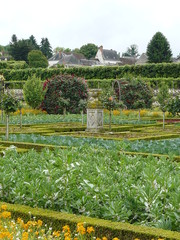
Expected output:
(94, 120)
(94, 111)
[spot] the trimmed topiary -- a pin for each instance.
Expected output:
(134, 91)
(64, 91)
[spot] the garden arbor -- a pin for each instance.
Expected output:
(116, 85)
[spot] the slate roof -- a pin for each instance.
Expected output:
(128, 60)
(110, 55)
(142, 59)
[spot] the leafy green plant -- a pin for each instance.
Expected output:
(64, 87)
(110, 103)
(34, 92)
(9, 105)
(163, 99)
(94, 182)
(174, 106)
(136, 91)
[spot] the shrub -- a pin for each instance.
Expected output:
(9, 103)
(136, 90)
(174, 106)
(36, 59)
(33, 92)
(63, 88)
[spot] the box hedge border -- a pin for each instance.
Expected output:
(106, 228)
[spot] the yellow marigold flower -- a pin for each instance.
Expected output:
(36, 233)
(136, 239)
(90, 230)
(104, 238)
(67, 238)
(56, 233)
(75, 238)
(66, 228)
(81, 230)
(117, 238)
(67, 234)
(19, 220)
(98, 239)
(160, 238)
(39, 223)
(6, 214)
(4, 207)
(80, 224)
(25, 226)
(24, 235)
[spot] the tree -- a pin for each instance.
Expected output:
(33, 92)
(9, 105)
(36, 59)
(163, 99)
(89, 50)
(46, 48)
(59, 94)
(158, 49)
(76, 50)
(110, 103)
(33, 42)
(62, 49)
(135, 90)
(174, 106)
(19, 50)
(132, 51)
(14, 38)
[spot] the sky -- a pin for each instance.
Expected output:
(114, 24)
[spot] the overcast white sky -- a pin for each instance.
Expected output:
(115, 24)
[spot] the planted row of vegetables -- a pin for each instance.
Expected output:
(94, 181)
(167, 146)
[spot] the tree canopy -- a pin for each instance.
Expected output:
(89, 50)
(132, 51)
(46, 48)
(158, 49)
(37, 59)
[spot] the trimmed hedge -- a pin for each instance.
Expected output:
(161, 70)
(13, 65)
(106, 228)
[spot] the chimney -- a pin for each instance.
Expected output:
(101, 48)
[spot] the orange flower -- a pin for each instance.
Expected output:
(56, 233)
(90, 230)
(111, 98)
(4, 207)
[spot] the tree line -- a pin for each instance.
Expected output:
(158, 49)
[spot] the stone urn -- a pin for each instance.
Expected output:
(94, 111)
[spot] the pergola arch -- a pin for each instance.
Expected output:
(118, 82)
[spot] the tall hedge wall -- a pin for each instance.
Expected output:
(162, 70)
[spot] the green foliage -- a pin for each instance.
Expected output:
(110, 101)
(169, 71)
(13, 65)
(19, 50)
(174, 106)
(95, 182)
(33, 92)
(132, 51)
(46, 48)
(33, 42)
(9, 103)
(36, 59)
(136, 93)
(163, 97)
(158, 49)
(62, 88)
(89, 50)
